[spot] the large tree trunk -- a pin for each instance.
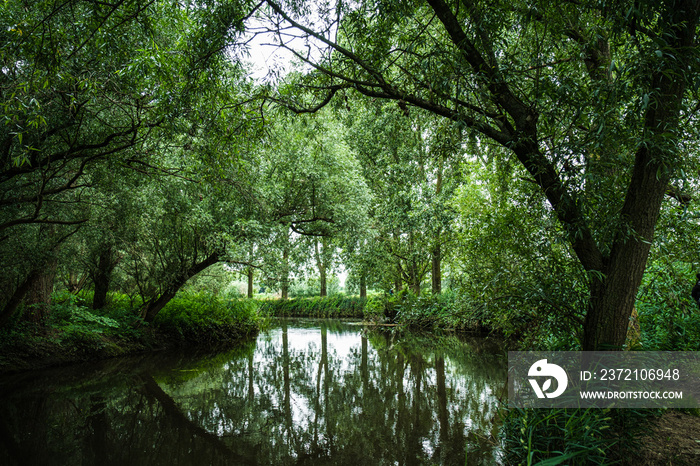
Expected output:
(153, 307)
(613, 295)
(102, 276)
(38, 294)
(363, 285)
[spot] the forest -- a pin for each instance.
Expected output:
(180, 174)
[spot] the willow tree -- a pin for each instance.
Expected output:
(307, 190)
(402, 156)
(87, 89)
(78, 91)
(591, 98)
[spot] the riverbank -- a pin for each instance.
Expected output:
(424, 312)
(74, 333)
(327, 307)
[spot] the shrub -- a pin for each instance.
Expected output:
(202, 317)
(336, 306)
(668, 319)
(374, 309)
(429, 311)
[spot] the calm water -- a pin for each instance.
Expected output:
(305, 392)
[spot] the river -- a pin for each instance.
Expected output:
(304, 392)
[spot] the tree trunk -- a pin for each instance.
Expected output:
(321, 268)
(17, 297)
(436, 272)
(285, 273)
(153, 307)
(414, 278)
(102, 276)
(437, 249)
(613, 294)
(38, 295)
(324, 285)
(363, 285)
(250, 282)
(75, 283)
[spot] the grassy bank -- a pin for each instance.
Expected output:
(425, 312)
(73, 332)
(337, 306)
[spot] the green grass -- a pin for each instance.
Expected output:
(337, 306)
(205, 318)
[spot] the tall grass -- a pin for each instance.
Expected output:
(336, 306)
(205, 318)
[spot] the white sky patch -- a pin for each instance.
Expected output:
(270, 46)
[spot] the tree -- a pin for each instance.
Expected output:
(91, 91)
(78, 85)
(591, 99)
(307, 186)
(403, 158)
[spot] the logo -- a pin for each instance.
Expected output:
(542, 369)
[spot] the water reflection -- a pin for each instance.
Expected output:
(302, 393)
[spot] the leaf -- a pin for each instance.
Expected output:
(558, 459)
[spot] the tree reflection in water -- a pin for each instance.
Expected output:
(321, 392)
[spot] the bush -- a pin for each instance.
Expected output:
(668, 319)
(336, 306)
(447, 310)
(374, 309)
(425, 312)
(79, 326)
(202, 318)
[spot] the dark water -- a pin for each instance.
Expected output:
(303, 393)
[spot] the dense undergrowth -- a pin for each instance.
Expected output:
(336, 306)
(418, 312)
(74, 332)
(668, 321)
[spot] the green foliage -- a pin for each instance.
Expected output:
(336, 306)
(570, 436)
(205, 318)
(374, 310)
(75, 332)
(426, 311)
(80, 328)
(514, 274)
(668, 319)
(307, 287)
